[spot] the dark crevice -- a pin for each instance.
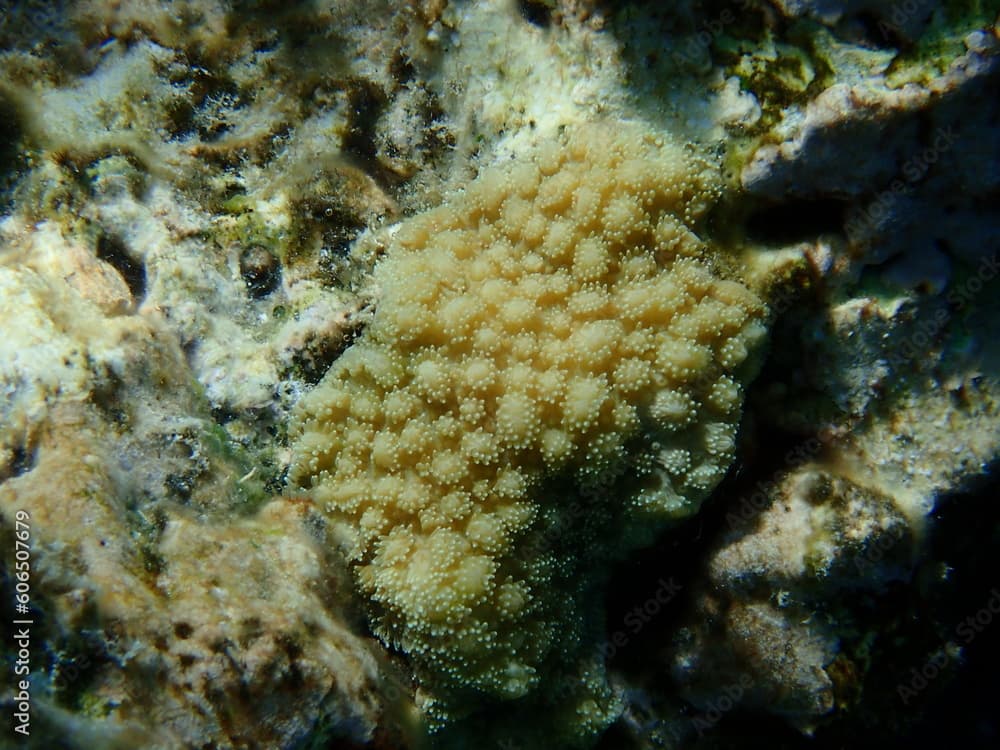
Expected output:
(107, 395)
(22, 461)
(436, 140)
(677, 559)
(365, 102)
(878, 33)
(401, 68)
(796, 221)
(11, 155)
(114, 252)
(180, 119)
(261, 271)
(315, 359)
(535, 12)
(223, 415)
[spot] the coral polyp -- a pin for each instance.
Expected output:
(554, 335)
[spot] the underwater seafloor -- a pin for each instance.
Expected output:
(499, 374)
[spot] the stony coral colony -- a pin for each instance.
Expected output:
(558, 321)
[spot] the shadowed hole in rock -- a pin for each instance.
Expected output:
(881, 33)
(365, 103)
(114, 252)
(796, 221)
(22, 461)
(535, 12)
(261, 271)
(319, 354)
(11, 156)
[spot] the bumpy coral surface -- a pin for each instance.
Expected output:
(554, 331)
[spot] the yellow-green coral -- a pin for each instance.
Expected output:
(553, 371)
